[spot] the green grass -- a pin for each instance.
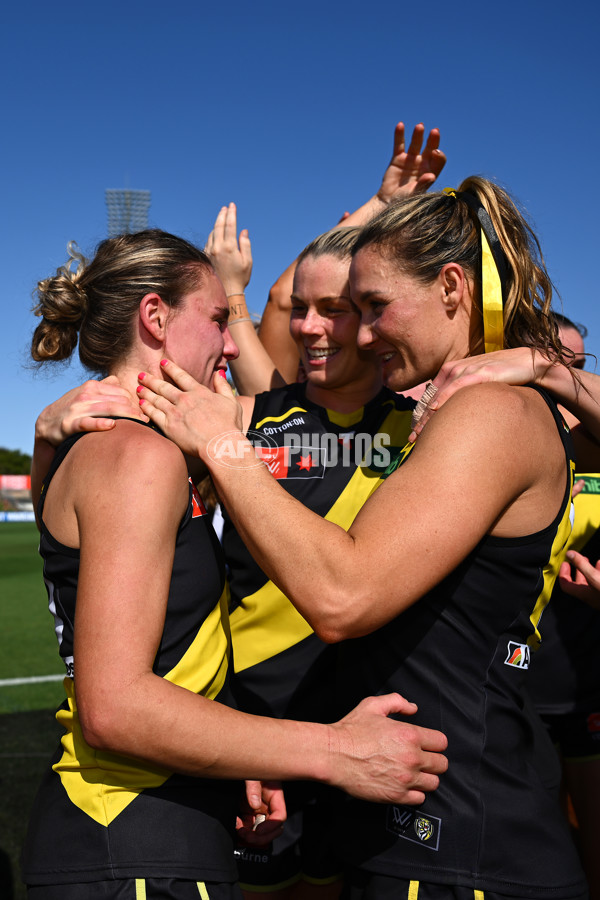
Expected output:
(28, 730)
(27, 642)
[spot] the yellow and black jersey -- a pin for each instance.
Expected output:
(99, 815)
(566, 674)
(331, 462)
(462, 653)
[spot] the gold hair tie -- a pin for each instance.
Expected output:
(493, 263)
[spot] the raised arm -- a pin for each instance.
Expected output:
(254, 370)
(409, 171)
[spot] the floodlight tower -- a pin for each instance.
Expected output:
(127, 210)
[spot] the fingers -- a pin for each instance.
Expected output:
(245, 247)
(221, 385)
(589, 574)
(434, 742)
(398, 140)
(178, 375)
(433, 141)
(89, 423)
(437, 162)
(416, 141)
(230, 225)
(254, 794)
(578, 487)
(386, 704)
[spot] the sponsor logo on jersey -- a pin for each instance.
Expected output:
(198, 507)
(251, 856)
(518, 655)
(591, 484)
(413, 826)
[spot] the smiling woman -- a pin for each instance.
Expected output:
(442, 578)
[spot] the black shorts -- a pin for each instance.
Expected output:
(138, 889)
(576, 734)
(368, 886)
(303, 851)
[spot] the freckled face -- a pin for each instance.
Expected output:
(324, 324)
(197, 337)
(403, 321)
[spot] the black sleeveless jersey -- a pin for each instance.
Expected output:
(331, 462)
(462, 653)
(566, 674)
(99, 815)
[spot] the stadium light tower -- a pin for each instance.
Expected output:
(127, 210)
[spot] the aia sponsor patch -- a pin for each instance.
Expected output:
(518, 655)
(412, 825)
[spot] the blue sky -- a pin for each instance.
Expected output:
(288, 109)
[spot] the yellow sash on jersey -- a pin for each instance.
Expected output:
(102, 784)
(265, 623)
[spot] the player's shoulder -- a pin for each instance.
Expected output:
(496, 400)
(130, 447)
(487, 415)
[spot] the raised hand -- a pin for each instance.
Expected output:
(410, 171)
(232, 258)
(579, 578)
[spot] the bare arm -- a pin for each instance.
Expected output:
(254, 370)
(474, 479)
(127, 541)
(578, 391)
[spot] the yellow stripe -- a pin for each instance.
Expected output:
(345, 420)
(479, 895)
(413, 890)
(557, 555)
(140, 889)
(491, 299)
(202, 890)
(103, 784)
(279, 418)
(265, 623)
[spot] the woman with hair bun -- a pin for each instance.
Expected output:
(142, 794)
(441, 581)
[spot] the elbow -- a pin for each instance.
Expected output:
(341, 615)
(101, 726)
